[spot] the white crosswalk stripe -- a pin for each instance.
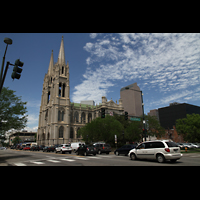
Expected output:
(54, 161)
(37, 163)
(70, 160)
(20, 164)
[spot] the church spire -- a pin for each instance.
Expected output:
(50, 70)
(61, 55)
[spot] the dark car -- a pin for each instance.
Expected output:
(34, 148)
(125, 149)
(102, 148)
(41, 147)
(86, 150)
(49, 148)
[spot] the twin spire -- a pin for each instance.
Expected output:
(61, 57)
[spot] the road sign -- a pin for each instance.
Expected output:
(115, 139)
(135, 119)
(111, 113)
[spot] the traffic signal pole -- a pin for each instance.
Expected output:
(4, 76)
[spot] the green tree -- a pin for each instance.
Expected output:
(16, 140)
(12, 111)
(189, 127)
(102, 130)
(153, 126)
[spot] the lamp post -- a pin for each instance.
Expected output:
(127, 88)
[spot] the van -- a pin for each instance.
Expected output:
(75, 145)
(159, 150)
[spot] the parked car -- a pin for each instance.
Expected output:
(41, 147)
(26, 148)
(76, 145)
(160, 150)
(34, 148)
(49, 148)
(2, 148)
(86, 150)
(124, 149)
(102, 148)
(64, 148)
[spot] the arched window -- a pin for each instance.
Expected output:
(71, 133)
(48, 97)
(89, 117)
(63, 90)
(61, 130)
(78, 133)
(59, 92)
(76, 118)
(62, 70)
(83, 117)
(61, 115)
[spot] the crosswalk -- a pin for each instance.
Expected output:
(70, 159)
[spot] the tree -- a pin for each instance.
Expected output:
(102, 130)
(16, 140)
(189, 127)
(12, 111)
(153, 126)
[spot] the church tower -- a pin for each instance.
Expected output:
(54, 117)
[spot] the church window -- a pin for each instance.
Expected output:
(83, 117)
(48, 98)
(76, 118)
(61, 130)
(59, 92)
(60, 115)
(62, 70)
(63, 91)
(71, 133)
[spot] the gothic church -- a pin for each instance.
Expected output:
(60, 119)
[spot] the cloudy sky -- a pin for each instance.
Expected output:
(166, 67)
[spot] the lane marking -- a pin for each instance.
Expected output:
(19, 164)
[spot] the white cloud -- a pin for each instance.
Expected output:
(167, 61)
(93, 35)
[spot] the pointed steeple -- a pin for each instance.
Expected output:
(61, 55)
(50, 70)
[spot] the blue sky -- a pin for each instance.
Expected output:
(166, 67)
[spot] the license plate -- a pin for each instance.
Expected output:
(175, 149)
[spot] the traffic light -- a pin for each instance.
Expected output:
(126, 115)
(103, 113)
(17, 69)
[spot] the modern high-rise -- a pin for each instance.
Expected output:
(131, 100)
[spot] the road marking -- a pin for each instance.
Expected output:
(94, 157)
(19, 164)
(81, 158)
(38, 163)
(194, 156)
(54, 161)
(70, 160)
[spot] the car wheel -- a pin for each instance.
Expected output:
(117, 153)
(133, 156)
(160, 158)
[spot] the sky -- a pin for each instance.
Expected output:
(166, 66)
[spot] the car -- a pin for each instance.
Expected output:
(124, 149)
(76, 145)
(102, 148)
(34, 148)
(159, 150)
(63, 148)
(41, 147)
(26, 148)
(86, 150)
(49, 148)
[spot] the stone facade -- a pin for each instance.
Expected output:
(60, 119)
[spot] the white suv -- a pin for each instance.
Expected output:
(160, 150)
(64, 148)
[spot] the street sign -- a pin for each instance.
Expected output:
(135, 119)
(111, 113)
(115, 139)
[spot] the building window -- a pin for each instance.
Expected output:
(76, 118)
(63, 91)
(61, 130)
(59, 92)
(61, 115)
(62, 70)
(48, 97)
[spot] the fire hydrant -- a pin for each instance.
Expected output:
(185, 149)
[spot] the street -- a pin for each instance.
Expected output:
(27, 158)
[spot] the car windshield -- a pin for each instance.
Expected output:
(171, 144)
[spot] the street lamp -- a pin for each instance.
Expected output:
(127, 88)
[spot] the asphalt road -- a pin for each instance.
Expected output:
(27, 158)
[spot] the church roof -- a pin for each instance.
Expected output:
(61, 55)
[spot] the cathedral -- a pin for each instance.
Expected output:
(60, 119)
